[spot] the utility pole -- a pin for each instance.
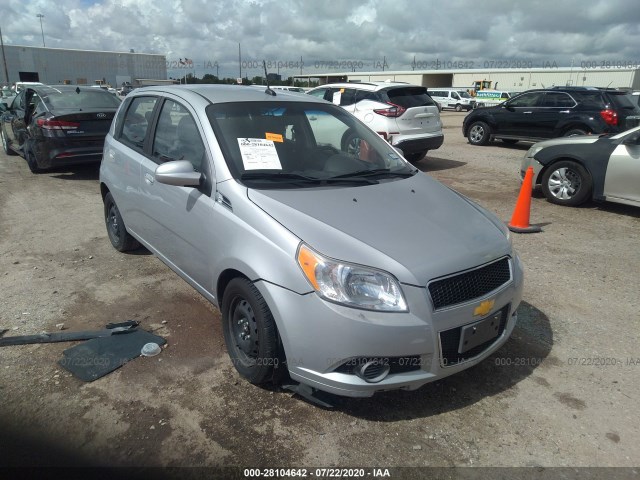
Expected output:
(41, 16)
(4, 59)
(239, 62)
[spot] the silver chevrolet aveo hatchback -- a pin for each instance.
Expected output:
(350, 273)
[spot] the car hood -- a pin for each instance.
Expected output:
(577, 140)
(415, 228)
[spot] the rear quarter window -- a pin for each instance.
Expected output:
(625, 101)
(136, 121)
(409, 97)
(589, 100)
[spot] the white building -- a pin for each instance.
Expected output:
(57, 65)
(513, 80)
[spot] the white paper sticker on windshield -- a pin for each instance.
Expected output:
(337, 96)
(259, 154)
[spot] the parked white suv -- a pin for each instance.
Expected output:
(403, 114)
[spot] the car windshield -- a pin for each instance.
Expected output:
(80, 100)
(463, 94)
(302, 144)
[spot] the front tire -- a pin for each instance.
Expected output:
(566, 183)
(458, 108)
(479, 133)
(414, 157)
(350, 143)
(116, 230)
(5, 143)
(249, 331)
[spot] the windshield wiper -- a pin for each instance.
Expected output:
(298, 178)
(375, 172)
(276, 176)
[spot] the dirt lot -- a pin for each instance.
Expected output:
(563, 391)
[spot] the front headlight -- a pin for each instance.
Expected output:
(349, 284)
(532, 151)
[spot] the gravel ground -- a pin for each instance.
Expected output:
(563, 392)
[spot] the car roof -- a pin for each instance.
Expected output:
(48, 89)
(370, 86)
(227, 93)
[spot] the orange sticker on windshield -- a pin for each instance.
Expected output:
(276, 137)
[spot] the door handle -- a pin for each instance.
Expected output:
(565, 111)
(148, 178)
(527, 112)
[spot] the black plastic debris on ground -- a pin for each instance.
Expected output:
(95, 358)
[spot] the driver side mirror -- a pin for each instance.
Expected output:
(179, 173)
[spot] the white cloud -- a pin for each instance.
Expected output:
(283, 31)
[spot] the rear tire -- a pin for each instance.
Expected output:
(566, 183)
(479, 133)
(250, 331)
(116, 230)
(575, 132)
(30, 157)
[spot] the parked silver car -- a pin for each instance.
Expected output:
(353, 273)
(574, 170)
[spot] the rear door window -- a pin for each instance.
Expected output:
(558, 100)
(136, 121)
(409, 97)
(348, 97)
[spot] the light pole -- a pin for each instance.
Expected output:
(41, 16)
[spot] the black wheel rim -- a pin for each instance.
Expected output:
(244, 331)
(113, 227)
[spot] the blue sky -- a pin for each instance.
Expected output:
(341, 35)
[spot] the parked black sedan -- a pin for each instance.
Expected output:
(58, 125)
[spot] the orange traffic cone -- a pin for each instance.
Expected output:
(520, 220)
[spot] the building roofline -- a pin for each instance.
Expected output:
(479, 71)
(81, 50)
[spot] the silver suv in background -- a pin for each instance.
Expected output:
(351, 272)
(403, 114)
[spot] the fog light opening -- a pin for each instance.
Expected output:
(373, 371)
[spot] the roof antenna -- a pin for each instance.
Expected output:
(268, 91)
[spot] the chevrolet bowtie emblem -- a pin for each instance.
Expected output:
(484, 308)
